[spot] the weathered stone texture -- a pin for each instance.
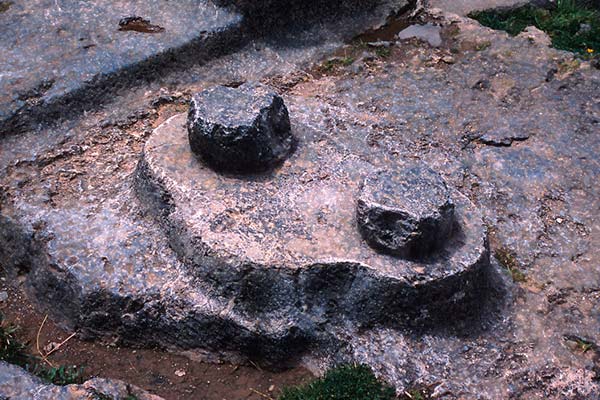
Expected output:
(243, 130)
(407, 212)
(286, 242)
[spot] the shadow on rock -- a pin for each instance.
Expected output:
(270, 17)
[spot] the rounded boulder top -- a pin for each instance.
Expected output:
(240, 130)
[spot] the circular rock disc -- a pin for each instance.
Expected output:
(288, 241)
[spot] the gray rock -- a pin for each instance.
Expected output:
(244, 130)
(3, 295)
(18, 384)
(357, 67)
(288, 244)
(428, 32)
(60, 58)
(408, 213)
(380, 44)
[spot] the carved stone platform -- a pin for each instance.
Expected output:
(287, 244)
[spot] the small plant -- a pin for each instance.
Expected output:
(61, 376)
(508, 260)
(11, 350)
(415, 395)
(568, 66)
(577, 343)
(483, 45)
(383, 52)
(346, 382)
(332, 63)
(571, 25)
(585, 346)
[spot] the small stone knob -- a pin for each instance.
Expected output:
(407, 213)
(240, 130)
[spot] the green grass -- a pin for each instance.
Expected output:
(331, 64)
(346, 382)
(415, 395)
(383, 52)
(11, 349)
(563, 24)
(584, 345)
(61, 375)
(508, 260)
(14, 352)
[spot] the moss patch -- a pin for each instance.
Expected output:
(570, 25)
(346, 382)
(508, 260)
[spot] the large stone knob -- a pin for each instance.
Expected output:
(240, 130)
(407, 213)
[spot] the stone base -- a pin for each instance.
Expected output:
(284, 246)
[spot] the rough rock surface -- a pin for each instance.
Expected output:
(62, 187)
(62, 58)
(18, 384)
(244, 129)
(407, 212)
(86, 58)
(463, 7)
(428, 32)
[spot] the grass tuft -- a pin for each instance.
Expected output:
(332, 64)
(571, 26)
(346, 382)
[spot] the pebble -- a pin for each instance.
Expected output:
(381, 43)
(3, 296)
(428, 32)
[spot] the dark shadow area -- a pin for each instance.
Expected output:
(487, 305)
(268, 17)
